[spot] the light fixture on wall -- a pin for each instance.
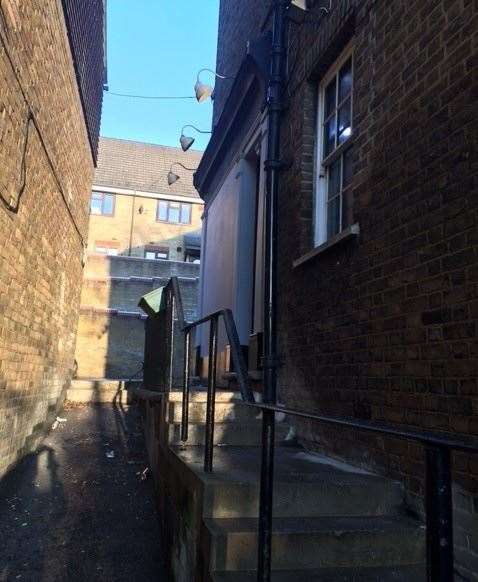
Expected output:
(187, 141)
(172, 177)
(202, 90)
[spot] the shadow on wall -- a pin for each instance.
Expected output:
(110, 342)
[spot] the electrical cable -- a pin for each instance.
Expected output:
(169, 97)
(31, 121)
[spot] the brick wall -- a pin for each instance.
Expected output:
(111, 326)
(239, 22)
(45, 185)
(385, 328)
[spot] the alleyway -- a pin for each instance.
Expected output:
(78, 510)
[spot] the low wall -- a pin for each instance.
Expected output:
(111, 330)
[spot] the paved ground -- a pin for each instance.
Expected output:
(70, 513)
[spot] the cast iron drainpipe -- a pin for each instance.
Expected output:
(272, 166)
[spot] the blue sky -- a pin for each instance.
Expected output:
(156, 47)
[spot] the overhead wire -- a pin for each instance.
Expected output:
(168, 97)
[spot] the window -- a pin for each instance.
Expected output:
(109, 248)
(156, 253)
(102, 204)
(173, 212)
(335, 152)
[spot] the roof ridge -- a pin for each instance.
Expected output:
(147, 143)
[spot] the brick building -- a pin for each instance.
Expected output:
(48, 142)
(378, 212)
(141, 232)
(134, 212)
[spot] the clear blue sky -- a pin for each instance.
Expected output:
(156, 47)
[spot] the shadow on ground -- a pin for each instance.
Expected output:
(77, 509)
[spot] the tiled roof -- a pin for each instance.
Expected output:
(144, 166)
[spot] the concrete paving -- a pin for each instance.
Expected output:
(78, 510)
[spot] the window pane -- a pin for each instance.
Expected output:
(173, 212)
(161, 255)
(348, 167)
(345, 121)
(95, 205)
(112, 252)
(334, 179)
(330, 98)
(329, 136)
(149, 255)
(108, 204)
(345, 80)
(185, 213)
(101, 250)
(333, 217)
(162, 210)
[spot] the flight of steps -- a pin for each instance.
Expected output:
(331, 522)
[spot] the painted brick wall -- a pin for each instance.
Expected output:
(110, 340)
(385, 328)
(45, 185)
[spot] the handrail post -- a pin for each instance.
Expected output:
(172, 302)
(185, 410)
(211, 396)
(439, 510)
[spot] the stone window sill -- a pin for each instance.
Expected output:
(349, 233)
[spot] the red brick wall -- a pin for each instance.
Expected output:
(43, 225)
(385, 328)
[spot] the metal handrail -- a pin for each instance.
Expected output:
(239, 365)
(438, 446)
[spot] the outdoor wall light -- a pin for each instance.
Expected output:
(204, 91)
(172, 177)
(186, 141)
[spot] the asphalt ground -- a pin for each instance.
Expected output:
(80, 509)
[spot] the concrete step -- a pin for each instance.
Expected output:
(100, 390)
(306, 485)
(224, 412)
(313, 543)
(226, 433)
(201, 396)
(397, 574)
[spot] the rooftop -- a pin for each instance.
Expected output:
(144, 166)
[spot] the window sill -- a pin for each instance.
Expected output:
(350, 232)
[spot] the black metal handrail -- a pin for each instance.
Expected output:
(239, 366)
(438, 446)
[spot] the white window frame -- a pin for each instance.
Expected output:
(321, 174)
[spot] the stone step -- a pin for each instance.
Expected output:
(313, 543)
(397, 574)
(224, 412)
(100, 391)
(226, 433)
(201, 396)
(305, 485)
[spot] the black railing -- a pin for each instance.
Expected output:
(239, 365)
(438, 446)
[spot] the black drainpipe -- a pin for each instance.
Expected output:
(273, 167)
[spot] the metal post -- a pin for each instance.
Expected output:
(171, 302)
(211, 396)
(439, 516)
(185, 410)
(273, 167)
